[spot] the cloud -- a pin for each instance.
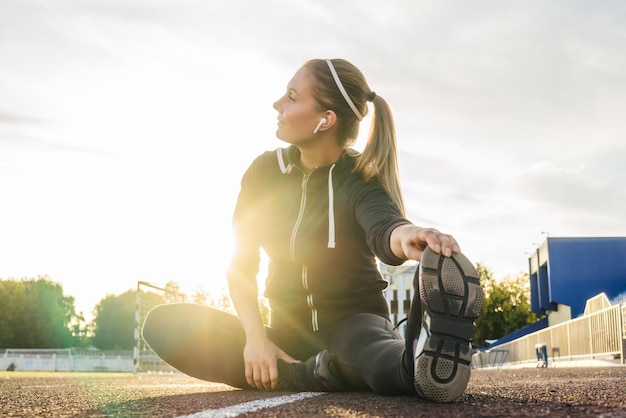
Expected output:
(590, 195)
(532, 72)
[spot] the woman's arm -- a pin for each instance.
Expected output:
(259, 353)
(393, 238)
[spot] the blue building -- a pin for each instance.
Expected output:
(565, 272)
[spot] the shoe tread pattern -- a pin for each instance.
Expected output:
(452, 299)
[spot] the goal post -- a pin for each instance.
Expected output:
(144, 359)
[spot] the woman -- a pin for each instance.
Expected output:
(323, 213)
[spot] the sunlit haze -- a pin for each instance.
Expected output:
(125, 126)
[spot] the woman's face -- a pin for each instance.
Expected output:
(298, 111)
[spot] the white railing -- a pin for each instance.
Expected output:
(594, 336)
(73, 360)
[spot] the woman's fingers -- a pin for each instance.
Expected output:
(262, 377)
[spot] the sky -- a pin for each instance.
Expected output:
(126, 125)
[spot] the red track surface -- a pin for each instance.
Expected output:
(553, 392)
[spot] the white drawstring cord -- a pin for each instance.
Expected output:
(331, 209)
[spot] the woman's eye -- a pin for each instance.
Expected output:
(291, 97)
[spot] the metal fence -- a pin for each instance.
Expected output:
(77, 360)
(599, 335)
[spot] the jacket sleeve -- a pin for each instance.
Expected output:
(245, 257)
(378, 216)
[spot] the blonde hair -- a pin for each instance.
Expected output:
(380, 157)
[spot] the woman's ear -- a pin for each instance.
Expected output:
(331, 120)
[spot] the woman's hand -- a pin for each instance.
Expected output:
(260, 356)
(409, 242)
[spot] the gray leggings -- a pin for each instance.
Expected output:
(207, 344)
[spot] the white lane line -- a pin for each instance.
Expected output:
(244, 408)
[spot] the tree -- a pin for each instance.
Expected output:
(35, 313)
(81, 331)
(222, 301)
(506, 306)
(173, 294)
(200, 295)
(114, 319)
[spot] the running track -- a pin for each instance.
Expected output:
(553, 392)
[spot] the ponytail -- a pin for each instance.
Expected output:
(342, 87)
(380, 156)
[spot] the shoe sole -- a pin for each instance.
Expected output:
(452, 299)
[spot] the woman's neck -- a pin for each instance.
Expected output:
(313, 157)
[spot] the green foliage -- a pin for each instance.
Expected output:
(506, 307)
(114, 319)
(35, 313)
(223, 302)
(81, 332)
(200, 295)
(173, 293)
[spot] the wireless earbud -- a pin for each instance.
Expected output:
(319, 125)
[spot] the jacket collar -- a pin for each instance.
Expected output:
(288, 158)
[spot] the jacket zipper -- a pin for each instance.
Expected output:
(292, 251)
(292, 244)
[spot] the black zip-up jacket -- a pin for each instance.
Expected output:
(322, 232)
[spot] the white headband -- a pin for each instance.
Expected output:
(343, 91)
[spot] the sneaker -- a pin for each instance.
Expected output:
(317, 374)
(451, 299)
(326, 373)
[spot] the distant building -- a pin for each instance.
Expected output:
(566, 272)
(399, 293)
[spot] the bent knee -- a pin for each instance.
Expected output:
(153, 323)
